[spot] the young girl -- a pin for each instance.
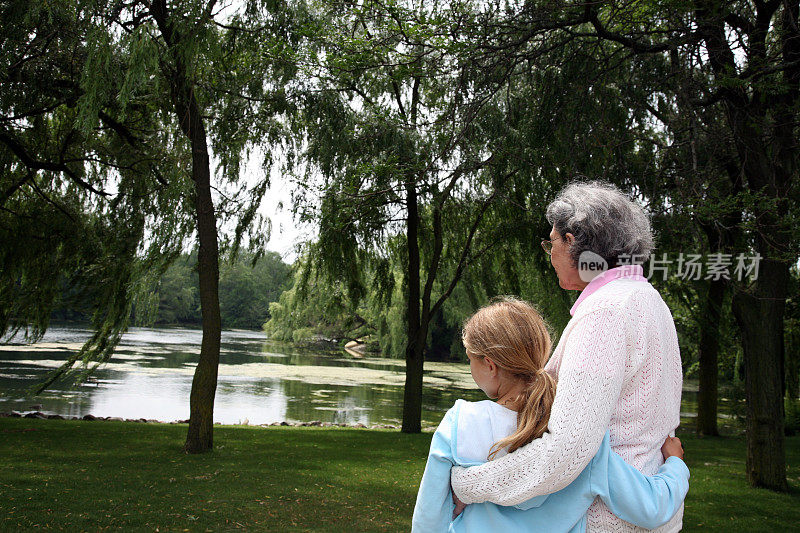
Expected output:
(508, 345)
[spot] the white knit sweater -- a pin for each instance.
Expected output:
(618, 368)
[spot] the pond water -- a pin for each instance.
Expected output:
(260, 382)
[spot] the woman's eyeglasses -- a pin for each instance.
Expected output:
(547, 246)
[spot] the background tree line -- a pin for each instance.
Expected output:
(246, 289)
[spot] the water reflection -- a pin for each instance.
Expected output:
(260, 382)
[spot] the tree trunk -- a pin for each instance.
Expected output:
(204, 385)
(708, 366)
(759, 309)
(415, 349)
(759, 313)
(793, 365)
(412, 394)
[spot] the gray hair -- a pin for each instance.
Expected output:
(603, 220)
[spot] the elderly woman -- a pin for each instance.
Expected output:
(617, 361)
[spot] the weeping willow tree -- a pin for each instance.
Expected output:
(84, 176)
(435, 156)
(113, 112)
(401, 183)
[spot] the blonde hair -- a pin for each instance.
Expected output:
(513, 334)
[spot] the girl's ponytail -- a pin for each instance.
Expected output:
(533, 414)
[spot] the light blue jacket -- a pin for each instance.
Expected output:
(646, 501)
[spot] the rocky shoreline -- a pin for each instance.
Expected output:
(314, 423)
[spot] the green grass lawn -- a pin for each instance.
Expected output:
(89, 476)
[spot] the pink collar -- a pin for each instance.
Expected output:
(632, 272)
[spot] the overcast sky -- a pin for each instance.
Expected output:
(286, 233)
(277, 207)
